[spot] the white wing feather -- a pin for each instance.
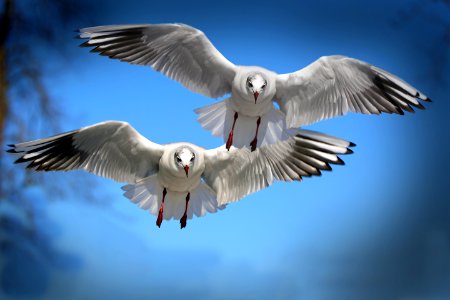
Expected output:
(179, 51)
(110, 149)
(335, 85)
(236, 173)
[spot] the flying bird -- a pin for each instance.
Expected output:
(331, 86)
(180, 180)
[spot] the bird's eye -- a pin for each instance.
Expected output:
(250, 84)
(263, 86)
(178, 159)
(193, 156)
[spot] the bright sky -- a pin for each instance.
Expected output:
(310, 239)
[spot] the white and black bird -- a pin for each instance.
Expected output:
(180, 180)
(329, 87)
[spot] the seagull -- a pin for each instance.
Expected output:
(329, 87)
(180, 180)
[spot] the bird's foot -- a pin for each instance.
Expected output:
(255, 140)
(230, 136)
(161, 210)
(183, 221)
(253, 144)
(160, 218)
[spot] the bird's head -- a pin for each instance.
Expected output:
(256, 84)
(184, 159)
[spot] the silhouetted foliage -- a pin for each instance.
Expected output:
(30, 32)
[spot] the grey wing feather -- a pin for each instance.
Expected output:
(335, 85)
(239, 172)
(181, 52)
(110, 149)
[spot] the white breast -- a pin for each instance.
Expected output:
(178, 184)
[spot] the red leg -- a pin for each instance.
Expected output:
(161, 210)
(255, 140)
(230, 136)
(183, 220)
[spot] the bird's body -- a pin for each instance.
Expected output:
(174, 178)
(180, 180)
(243, 101)
(329, 87)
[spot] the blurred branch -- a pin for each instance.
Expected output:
(31, 33)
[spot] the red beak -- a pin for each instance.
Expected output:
(186, 169)
(255, 94)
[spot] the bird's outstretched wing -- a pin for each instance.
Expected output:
(110, 149)
(240, 172)
(181, 52)
(335, 85)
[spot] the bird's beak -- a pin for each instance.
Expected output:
(255, 94)
(186, 169)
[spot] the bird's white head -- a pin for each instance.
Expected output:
(184, 158)
(256, 84)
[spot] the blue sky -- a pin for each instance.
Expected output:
(376, 228)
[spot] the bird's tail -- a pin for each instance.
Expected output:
(212, 117)
(147, 194)
(218, 118)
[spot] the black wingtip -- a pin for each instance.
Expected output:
(327, 167)
(419, 106)
(349, 151)
(340, 161)
(17, 161)
(85, 44)
(11, 151)
(427, 99)
(352, 144)
(20, 160)
(32, 166)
